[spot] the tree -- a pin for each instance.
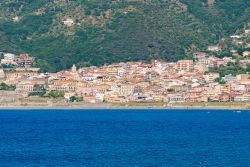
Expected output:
(72, 99)
(4, 86)
(75, 99)
(38, 93)
(222, 82)
(217, 79)
(38, 87)
(56, 94)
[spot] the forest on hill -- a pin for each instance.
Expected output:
(107, 31)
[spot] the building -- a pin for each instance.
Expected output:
(68, 22)
(210, 77)
(210, 2)
(9, 58)
(215, 48)
(25, 86)
(185, 65)
(175, 98)
(24, 61)
(224, 97)
(229, 78)
(126, 90)
(246, 53)
(242, 98)
(243, 77)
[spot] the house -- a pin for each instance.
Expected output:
(199, 55)
(175, 98)
(199, 68)
(238, 87)
(228, 60)
(224, 97)
(210, 77)
(218, 62)
(9, 58)
(215, 48)
(242, 98)
(235, 36)
(24, 61)
(210, 2)
(89, 99)
(229, 78)
(13, 77)
(197, 95)
(115, 99)
(246, 53)
(16, 19)
(25, 86)
(126, 89)
(68, 22)
(185, 65)
(226, 88)
(243, 77)
(61, 85)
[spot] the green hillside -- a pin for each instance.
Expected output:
(107, 31)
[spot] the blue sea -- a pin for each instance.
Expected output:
(171, 138)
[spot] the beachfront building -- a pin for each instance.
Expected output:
(25, 86)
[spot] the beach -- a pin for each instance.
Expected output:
(42, 103)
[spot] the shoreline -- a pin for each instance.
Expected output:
(121, 107)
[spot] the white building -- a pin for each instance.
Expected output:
(210, 77)
(243, 98)
(9, 58)
(215, 48)
(68, 22)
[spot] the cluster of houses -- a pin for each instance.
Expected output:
(21, 61)
(170, 82)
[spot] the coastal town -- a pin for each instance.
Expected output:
(183, 81)
(198, 79)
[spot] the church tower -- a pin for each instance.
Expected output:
(73, 69)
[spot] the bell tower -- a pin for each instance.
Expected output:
(73, 69)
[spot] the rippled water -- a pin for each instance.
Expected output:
(124, 138)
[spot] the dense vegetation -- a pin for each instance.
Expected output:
(39, 90)
(113, 31)
(231, 68)
(56, 94)
(6, 87)
(75, 99)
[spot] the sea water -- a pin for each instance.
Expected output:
(124, 138)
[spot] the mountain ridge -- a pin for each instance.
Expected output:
(113, 31)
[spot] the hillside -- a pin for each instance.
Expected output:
(106, 31)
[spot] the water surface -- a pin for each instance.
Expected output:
(124, 138)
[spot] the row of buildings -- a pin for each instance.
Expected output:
(170, 82)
